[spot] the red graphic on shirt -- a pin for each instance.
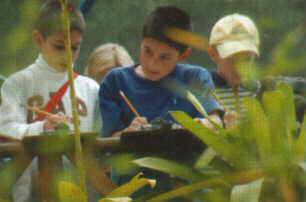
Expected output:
(38, 101)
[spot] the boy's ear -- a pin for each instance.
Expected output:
(185, 55)
(213, 54)
(37, 38)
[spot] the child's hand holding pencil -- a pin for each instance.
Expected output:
(138, 121)
(51, 120)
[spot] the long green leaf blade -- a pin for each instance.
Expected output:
(216, 141)
(300, 144)
(273, 103)
(247, 192)
(117, 199)
(205, 158)
(69, 192)
(234, 178)
(196, 103)
(132, 186)
(289, 107)
(171, 167)
(259, 127)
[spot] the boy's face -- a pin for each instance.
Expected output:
(157, 59)
(238, 67)
(239, 60)
(53, 50)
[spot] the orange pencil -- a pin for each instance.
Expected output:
(42, 112)
(38, 111)
(129, 104)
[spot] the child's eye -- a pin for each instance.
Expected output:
(59, 47)
(148, 51)
(164, 58)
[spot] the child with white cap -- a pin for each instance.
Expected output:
(234, 44)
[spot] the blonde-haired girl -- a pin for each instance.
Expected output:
(106, 57)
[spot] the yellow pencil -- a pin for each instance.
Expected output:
(129, 104)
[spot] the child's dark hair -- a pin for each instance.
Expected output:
(49, 18)
(165, 17)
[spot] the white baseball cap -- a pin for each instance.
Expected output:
(233, 34)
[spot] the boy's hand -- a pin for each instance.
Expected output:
(205, 122)
(136, 124)
(53, 120)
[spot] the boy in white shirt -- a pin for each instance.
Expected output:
(35, 85)
(44, 85)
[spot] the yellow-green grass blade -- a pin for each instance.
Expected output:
(132, 186)
(117, 199)
(302, 165)
(171, 167)
(205, 158)
(289, 107)
(196, 103)
(249, 192)
(300, 144)
(273, 103)
(223, 181)
(259, 128)
(122, 163)
(69, 192)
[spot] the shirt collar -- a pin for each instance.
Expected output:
(50, 71)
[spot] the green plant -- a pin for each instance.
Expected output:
(75, 115)
(265, 152)
(69, 192)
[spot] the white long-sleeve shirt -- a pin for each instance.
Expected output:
(32, 86)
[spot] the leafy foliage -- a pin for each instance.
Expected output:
(69, 192)
(266, 151)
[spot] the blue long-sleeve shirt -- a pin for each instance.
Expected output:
(152, 98)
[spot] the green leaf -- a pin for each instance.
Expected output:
(206, 157)
(247, 192)
(117, 199)
(122, 163)
(273, 103)
(216, 141)
(228, 180)
(69, 192)
(259, 127)
(195, 102)
(300, 144)
(132, 186)
(170, 167)
(289, 107)
(303, 165)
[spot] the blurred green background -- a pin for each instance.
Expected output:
(281, 24)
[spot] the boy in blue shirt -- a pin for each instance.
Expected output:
(158, 83)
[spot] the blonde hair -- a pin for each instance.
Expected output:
(106, 57)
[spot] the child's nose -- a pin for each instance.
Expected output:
(152, 62)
